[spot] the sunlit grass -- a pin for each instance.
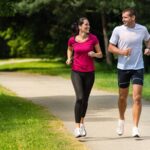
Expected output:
(106, 76)
(50, 67)
(25, 126)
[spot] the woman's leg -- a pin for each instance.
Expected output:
(88, 84)
(78, 87)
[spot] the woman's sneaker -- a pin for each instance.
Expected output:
(82, 130)
(120, 128)
(77, 132)
(135, 132)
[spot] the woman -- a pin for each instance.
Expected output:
(82, 48)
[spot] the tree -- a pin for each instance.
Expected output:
(107, 8)
(43, 26)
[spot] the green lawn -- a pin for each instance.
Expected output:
(106, 77)
(49, 67)
(25, 126)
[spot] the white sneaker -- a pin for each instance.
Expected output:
(120, 128)
(77, 132)
(135, 132)
(82, 130)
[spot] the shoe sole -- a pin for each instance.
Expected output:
(120, 134)
(78, 136)
(83, 135)
(136, 136)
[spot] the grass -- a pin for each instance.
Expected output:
(49, 67)
(26, 126)
(106, 76)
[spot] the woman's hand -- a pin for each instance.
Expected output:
(69, 61)
(91, 54)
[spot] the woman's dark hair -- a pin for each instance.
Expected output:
(75, 29)
(74, 26)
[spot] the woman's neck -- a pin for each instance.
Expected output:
(83, 35)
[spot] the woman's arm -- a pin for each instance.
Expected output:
(98, 53)
(69, 55)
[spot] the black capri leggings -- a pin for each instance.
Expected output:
(82, 83)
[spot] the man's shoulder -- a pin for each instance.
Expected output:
(120, 27)
(139, 26)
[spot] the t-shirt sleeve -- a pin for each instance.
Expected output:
(70, 42)
(146, 35)
(114, 37)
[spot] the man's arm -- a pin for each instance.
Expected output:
(147, 50)
(115, 50)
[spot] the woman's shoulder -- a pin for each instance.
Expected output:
(92, 36)
(71, 38)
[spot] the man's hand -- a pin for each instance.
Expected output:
(147, 52)
(126, 52)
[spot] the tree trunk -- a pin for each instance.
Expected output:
(108, 55)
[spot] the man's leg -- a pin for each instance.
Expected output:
(122, 102)
(137, 80)
(137, 107)
(123, 83)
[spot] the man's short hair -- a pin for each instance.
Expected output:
(131, 11)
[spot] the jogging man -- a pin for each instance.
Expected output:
(126, 41)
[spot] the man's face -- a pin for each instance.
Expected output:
(127, 19)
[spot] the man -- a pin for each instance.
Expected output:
(126, 41)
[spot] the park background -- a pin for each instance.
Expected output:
(33, 39)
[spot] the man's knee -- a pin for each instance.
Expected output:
(122, 98)
(137, 99)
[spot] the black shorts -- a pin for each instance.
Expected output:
(125, 76)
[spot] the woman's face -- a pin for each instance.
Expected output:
(85, 27)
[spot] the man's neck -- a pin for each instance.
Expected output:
(131, 25)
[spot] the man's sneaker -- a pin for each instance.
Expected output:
(120, 128)
(135, 132)
(82, 130)
(77, 132)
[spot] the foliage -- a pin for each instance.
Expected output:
(42, 27)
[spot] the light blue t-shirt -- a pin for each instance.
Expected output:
(124, 37)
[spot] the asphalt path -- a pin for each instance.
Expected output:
(57, 95)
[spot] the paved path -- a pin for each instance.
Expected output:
(57, 95)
